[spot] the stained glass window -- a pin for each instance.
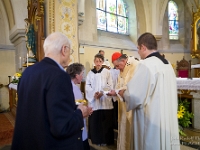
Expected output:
(112, 16)
(173, 20)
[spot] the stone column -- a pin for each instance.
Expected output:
(18, 39)
(196, 110)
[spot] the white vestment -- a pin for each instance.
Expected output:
(124, 118)
(152, 96)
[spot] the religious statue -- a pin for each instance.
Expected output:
(198, 36)
(30, 42)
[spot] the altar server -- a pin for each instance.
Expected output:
(98, 83)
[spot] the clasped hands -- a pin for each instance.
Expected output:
(98, 95)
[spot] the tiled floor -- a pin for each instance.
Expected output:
(6, 128)
(192, 139)
(190, 142)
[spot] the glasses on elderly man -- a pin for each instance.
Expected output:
(71, 50)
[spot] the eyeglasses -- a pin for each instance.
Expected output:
(71, 50)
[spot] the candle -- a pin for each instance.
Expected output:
(20, 62)
(27, 60)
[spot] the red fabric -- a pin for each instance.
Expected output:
(183, 73)
(115, 56)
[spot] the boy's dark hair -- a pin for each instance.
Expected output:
(73, 69)
(148, 40)
(99, 56)
(101, 51)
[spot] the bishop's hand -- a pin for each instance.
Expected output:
(112, 93)
(121, 93)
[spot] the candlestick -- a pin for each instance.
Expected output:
(27, 60)
(20, 62)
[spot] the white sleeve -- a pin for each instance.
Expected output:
(119, 86)
(139, 89)
(89, 89)
(109, 81)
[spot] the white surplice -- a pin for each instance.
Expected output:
(96, 82)
(152, 96)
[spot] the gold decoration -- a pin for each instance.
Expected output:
(63, 17)
(16, 98)
(51, 16)
(195, 29)
(79, 101)
(67, 28)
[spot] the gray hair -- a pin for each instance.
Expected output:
(123, 56)
(75, 68)
(54, 42)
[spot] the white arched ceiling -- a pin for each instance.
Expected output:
(20, 13)
(150, 15)
(9, 12)
(132, 19)
(141, 17)
(4, 23)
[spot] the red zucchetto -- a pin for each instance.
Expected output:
(115, 56)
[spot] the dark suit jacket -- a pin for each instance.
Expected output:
(47, 117)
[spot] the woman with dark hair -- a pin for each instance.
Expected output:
(98, 83)
(76, 72)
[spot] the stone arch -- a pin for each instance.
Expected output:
(4, 30)
(9, 12)
(141, 17)
(162, 11)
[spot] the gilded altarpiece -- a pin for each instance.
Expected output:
(63, 17)
(195, 40)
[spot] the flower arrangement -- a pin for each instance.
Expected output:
(184, 116)
(16, 77)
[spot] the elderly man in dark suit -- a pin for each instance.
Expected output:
(47, 117)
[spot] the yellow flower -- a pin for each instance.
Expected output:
(18, 74)
(182, 108)
(181, 111)
(16, 77)
(180, 114)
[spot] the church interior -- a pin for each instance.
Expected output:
(91, 27)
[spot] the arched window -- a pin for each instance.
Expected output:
(173, 20)
(112, 16)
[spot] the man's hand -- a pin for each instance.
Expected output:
(121, 93)
(112, 93)
(99, 95)
(86, 111)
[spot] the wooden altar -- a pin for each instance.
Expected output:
(13, 98)
(191, 88)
